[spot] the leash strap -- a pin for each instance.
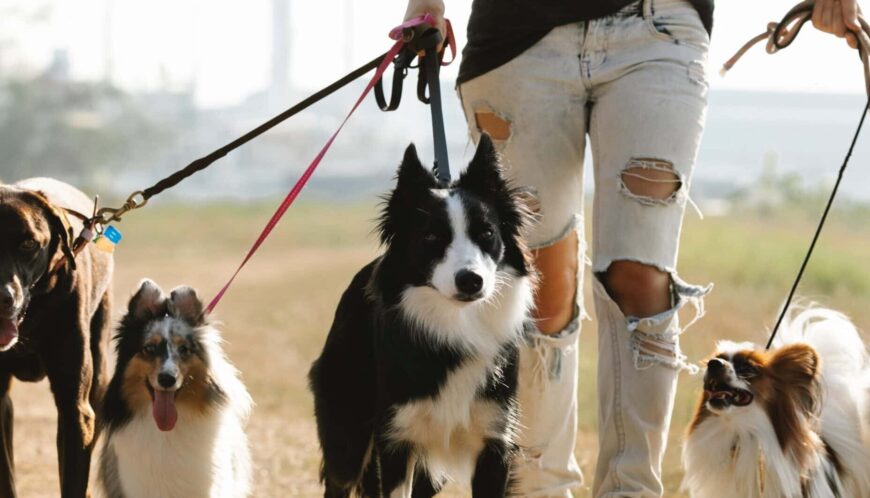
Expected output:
(422, 40)
(780, 35)
(818, 233)
(300, 184)
(432, 67)
(140, 198)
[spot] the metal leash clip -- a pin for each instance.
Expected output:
(135, 201)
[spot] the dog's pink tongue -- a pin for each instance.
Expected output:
(164, 410)
(8, 332)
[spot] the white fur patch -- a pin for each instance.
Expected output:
(723, 457)
(204, 456)
(480, 327)
(462, 254)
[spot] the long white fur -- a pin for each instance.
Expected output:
(453, 425)
(206, 454)
(736, 452)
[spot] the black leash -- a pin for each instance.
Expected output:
(780, 35)
(423, 40)
(140, 198)
(420, 40)
(806, 261)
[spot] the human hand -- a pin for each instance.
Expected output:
(838, 17)
(435, 8)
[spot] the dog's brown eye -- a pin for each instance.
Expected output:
(184, 351)
(150, 350)
(29, 245)
(745, 370)
(487, 234)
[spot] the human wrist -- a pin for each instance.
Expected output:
(420, 7)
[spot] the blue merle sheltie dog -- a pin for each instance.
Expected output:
(416, 383)
(175, 412)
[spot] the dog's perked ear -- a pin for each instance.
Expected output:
(412, 174)
(413, 183)
(484, 175)
(148, 302)
(186, 305)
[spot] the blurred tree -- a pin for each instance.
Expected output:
(53, 126)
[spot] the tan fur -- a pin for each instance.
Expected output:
(135, 379)
(197, 387)
(194, 392)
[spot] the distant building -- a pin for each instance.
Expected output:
(280, 88)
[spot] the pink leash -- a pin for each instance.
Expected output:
(395, 34)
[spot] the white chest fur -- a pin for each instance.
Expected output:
(738, 454)
(204, 456)
(453, 425)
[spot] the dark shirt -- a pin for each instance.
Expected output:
(499, 30)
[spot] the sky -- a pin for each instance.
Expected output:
(222, 48)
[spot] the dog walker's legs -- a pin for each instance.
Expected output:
(492, 473)
(548, 374)
(70, 372)
(7, 461)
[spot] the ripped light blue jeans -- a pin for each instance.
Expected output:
(634, 84)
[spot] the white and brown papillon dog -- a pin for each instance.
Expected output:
(416, 385)
(175, 412)
(791, 422)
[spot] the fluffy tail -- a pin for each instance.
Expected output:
(845, 418)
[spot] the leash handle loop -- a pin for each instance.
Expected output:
(780, 35)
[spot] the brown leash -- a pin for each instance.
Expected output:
(780, 35)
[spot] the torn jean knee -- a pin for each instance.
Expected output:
(549, 349)
(633, 169)
(655, 339)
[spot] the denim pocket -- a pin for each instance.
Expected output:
(676, 22)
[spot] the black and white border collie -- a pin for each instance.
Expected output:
(416, 383)
(175, 410)
(788, 423)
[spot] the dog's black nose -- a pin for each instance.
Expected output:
(468, 282)
(166, 380)
(715, 365)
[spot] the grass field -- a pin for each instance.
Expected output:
(278, 312)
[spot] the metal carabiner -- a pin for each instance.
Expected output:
(107, 215)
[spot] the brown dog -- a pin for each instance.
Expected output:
(55, 312)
